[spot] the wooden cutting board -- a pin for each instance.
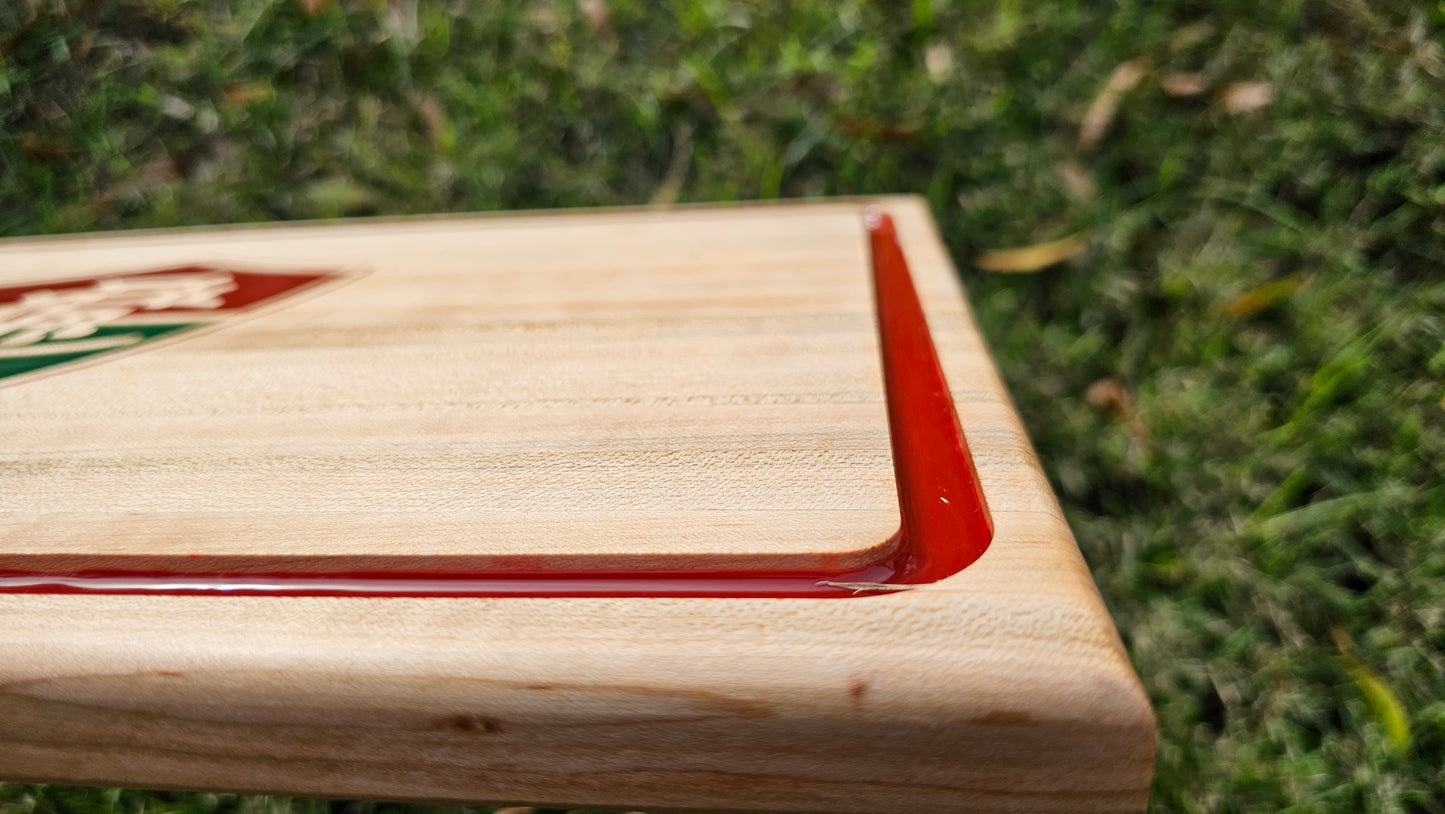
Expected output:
(714, 508)
(620, 390)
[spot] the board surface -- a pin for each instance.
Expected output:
(1003, 687)
(628, 390)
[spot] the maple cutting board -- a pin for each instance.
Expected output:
(613, 391)
(718, 508)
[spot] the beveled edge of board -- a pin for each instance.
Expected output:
(1004, 687)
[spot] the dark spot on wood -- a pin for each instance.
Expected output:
(1005, 716)
(169, 673)
(857, 688)
(470, 724)
(539, 687)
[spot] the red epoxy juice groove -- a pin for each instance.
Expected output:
(946, 524)
(945, 521)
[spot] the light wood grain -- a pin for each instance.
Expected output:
(1003, 688)
(534, 392)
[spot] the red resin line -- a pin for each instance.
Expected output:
(946, 525)
(945, 522)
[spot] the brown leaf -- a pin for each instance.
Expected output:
(598, 15)
(242, 94)
(1190, 36)
(1107, 393)
(1111, 394)
(158, 173)
(1183, 84)
(1126, 76)
(1032, 258)
(438, 124)
(44, 149)
(876, 130)
(1245, 97)
(313, 7)
(1101, 111)
(938, 61)
(1259, 298)
(1077, 181)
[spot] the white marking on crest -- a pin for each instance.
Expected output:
(58, 315)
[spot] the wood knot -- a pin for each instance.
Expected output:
(470, 724)
(857, 688)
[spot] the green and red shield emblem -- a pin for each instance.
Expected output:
(47, 324)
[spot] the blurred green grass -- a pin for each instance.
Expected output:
(1235, 383)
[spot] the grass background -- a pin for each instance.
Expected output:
(1234, 377)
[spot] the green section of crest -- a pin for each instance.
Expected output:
(15, 361)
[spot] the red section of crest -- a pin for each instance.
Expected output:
(252, 288)
(945, 521)
(255, 288)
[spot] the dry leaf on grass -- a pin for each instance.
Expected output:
(1183, 84)
(1259, 298)
(1108, 393)
(438, 124)
(159, 173)
(1112, 395)
(1190, 36)
(1026, 259)
(313, 7)
(45, 149)
(1101, 111)
(177, 108)
(938, 60)
(1077, 180)
(245, 93)
(876, 130)
(598, 15)
(1245, 97)
(1384, 705)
